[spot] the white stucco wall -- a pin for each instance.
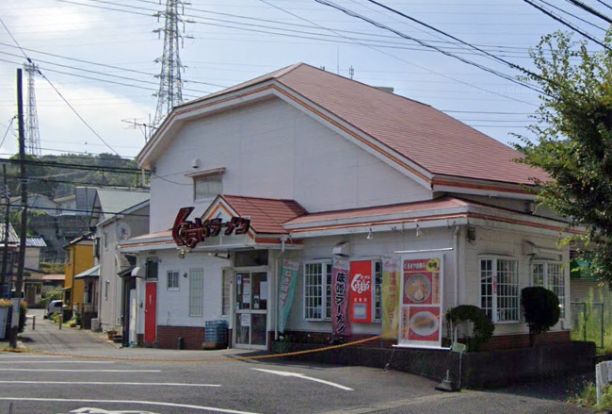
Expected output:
(270, 149)
(173, 304)
(382, 244)
(498, 242)
(109, 311)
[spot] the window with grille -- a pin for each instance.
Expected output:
(196, 292)
(551, 276)
(317, 290)
(499, 289)
(207, 186)
(172, 281)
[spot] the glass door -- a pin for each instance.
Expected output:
(251, 308)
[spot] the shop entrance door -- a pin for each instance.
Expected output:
(250, 325)
(150, 313)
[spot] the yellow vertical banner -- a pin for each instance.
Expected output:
(390, 297)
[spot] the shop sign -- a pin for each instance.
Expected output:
(421, 302)
(340, 323)
(286, 291)
(189, 233)
(390, 297)
(360, 298)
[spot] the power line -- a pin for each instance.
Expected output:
(425, 44)
(429, 70)
(564, 22)
(57, 90)
(80, 210)
(8, 128)
(589, 9)
(605, 4)
(78, 183)
(122, 170)
(435, 29)
(572, 14)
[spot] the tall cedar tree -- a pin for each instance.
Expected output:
(574, 140)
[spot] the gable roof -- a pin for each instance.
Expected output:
(114, 200)
(434, 141)
(267, 215)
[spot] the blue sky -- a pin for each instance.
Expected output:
(233, 41)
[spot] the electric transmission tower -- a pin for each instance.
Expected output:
(170, 81)
(32, 131)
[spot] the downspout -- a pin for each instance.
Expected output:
(279, 263)
(456, 247)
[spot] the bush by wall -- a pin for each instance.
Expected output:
(541, 310)
(483, 327)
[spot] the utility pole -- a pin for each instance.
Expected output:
(7, 217)
(24, 214)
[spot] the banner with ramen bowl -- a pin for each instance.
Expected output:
(421, 301)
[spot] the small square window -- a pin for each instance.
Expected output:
(207, 186)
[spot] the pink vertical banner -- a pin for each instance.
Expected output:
(341, 326)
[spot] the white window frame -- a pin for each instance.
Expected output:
(178, 279)
(196, 311)
(546, 281)
(495, 292)
(324, 266)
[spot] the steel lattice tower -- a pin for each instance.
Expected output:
(170, 82)
(32, 131)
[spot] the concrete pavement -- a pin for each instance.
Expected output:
(81, 373)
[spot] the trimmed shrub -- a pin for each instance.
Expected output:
(483, 327)
(541, 310)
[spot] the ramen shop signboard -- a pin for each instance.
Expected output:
(421, 302)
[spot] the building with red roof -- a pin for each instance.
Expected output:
(303, 203)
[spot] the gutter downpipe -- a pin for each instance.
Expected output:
(279, 263)
(456, 246)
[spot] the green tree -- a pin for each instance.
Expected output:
(574, 140)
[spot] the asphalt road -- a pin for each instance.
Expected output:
(72, 371)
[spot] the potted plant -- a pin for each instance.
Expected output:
(541, 310)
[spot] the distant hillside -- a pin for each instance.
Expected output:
(60, 181)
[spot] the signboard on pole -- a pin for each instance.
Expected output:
(360, 297)
(341, 325)
(421, 301)
(390, 297)
(286, 291)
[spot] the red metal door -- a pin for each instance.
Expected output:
(150, 313)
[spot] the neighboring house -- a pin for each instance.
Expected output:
(79, 289)
(336, 178)
(11, 259)
(33, 276)
(114, 302)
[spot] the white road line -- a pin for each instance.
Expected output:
(172, 384)
(38, 361)
(302, 376)
(158, 403)
(78, 370)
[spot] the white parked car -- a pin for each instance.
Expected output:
(55, 306)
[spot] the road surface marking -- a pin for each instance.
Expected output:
(38, 361)
(173, 384)
(78, 370)
(158, 403)
(302, 376)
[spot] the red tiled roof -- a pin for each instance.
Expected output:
(421, 133)
(419, 206)
(267, 215)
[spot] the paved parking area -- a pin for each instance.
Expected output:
(79, 372)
